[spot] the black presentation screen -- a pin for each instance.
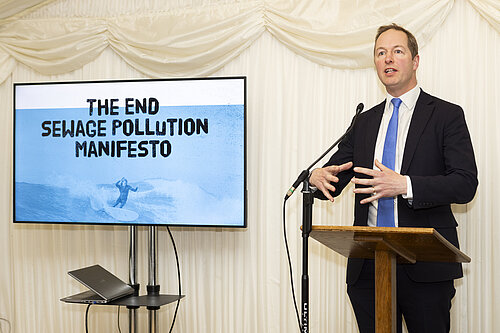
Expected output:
(146, 152)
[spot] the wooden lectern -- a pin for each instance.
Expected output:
(386, 245)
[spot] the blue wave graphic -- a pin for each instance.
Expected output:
(157, 201)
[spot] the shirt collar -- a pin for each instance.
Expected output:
(409, 98)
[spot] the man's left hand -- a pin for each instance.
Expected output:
(385, 183)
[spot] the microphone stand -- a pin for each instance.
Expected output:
(307, 202)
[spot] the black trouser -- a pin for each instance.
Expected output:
(425, 306)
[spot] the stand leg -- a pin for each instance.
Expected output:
(305, 289)
(153, 288)
(132, 320)
(132, 311)
(385, 291)
(153, 327)
(306, 230)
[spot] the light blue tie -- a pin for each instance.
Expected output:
(385, 212)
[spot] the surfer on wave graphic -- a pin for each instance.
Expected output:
(124, 188)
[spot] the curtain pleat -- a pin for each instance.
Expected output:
(489, 10)
(199, 40)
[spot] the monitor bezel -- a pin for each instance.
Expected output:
(196, 225)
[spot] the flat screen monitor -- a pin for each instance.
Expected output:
(134, 152)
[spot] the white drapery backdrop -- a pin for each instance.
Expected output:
(308, 64)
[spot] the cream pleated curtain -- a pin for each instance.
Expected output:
(308, 65)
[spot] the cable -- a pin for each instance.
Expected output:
(178, 279)
(119, 329)
(290, 266)
(87, 319)
(8, 323)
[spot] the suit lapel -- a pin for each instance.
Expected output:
(421, 114)
(370, 136)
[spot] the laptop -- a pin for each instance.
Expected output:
(104, 286)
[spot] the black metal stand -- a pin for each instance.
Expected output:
(153, 300)
(307, 202)
(132, 310)
(308, 199)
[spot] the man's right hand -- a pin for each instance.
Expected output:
(322, 178)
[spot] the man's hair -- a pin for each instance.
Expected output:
(412, 41)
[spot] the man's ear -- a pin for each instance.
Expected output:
(416, 61)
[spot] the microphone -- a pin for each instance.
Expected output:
(305, 173)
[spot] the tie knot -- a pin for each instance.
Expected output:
(396, 102)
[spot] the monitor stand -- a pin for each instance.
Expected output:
(153, 300)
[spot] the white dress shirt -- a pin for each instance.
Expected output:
(409, 99)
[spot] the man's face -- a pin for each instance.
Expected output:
(395, 67)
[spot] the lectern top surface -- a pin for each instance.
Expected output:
(410, 244)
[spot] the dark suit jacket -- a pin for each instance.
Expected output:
(439, 159)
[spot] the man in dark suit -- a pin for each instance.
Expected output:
(410, 158)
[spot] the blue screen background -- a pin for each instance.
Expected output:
(200, 183)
